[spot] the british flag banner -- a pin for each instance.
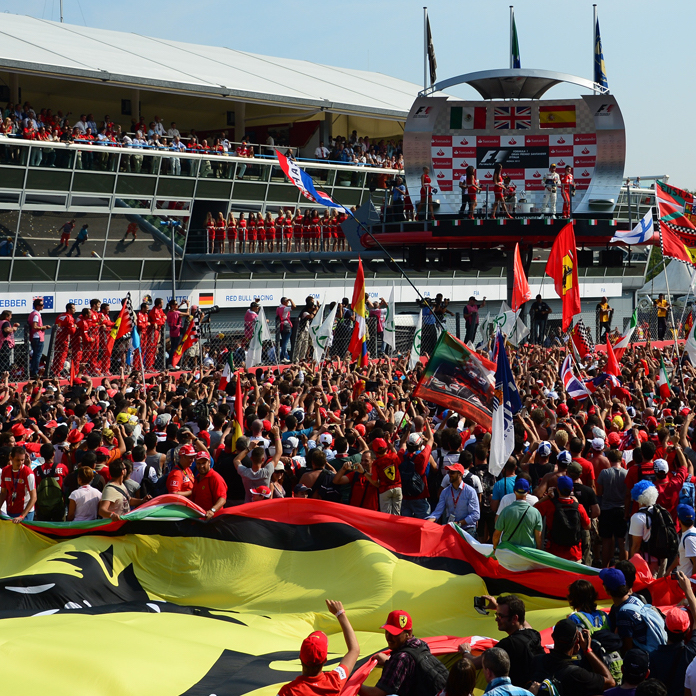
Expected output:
(512, 117)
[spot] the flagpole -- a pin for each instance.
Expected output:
(674, 333)
(512, 19)
(425, 48)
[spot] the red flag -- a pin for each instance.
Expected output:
(562, 266)
(72, 371)
(520, 289)
(674, 248)
(122, 326)
(612, 366)
(238, 406)
(358, 340)
(188, 339)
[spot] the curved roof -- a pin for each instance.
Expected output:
(37, 46)
(513, 83)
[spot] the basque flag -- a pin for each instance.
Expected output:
(304, 182)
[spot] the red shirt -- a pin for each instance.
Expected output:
(208, 489)
(420, 461)
(60, 474)
(157, 317)
(547, 509)
(17, 485)
(669, 488)
(387, 469)
(588, 473)
(180, 480)
(362, 493)
(65, 325)
(324, 684)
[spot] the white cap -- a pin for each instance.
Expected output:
(291, 443)
(544, 448)
(597, 443)
(598, 432)
(325, 439)
(299, 414)
(661, 465)
(415, 439)
(279, 467)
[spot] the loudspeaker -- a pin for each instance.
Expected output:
(611, 258)
(585, 257)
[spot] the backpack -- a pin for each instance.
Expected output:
(487, 482)
(607, 645)
(411, 481)
(201, 410)
(655, 624)
(431, 675)
(663, 542)
(687, 493)
(566, 524)
(324, 485)
(49, 497)
(154, 489)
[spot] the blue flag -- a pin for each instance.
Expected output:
(506, 403)
(600, 74)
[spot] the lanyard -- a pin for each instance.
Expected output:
(456, 500)
(14, 482)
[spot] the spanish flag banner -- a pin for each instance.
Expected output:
(558, 116)
(221, 607)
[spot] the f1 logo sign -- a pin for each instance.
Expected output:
(604, 110)
(422, 112)
(494, 157)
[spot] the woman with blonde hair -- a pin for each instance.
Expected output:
(231, 233)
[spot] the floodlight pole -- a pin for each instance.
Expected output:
(61, 11)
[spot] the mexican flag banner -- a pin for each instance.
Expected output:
(663, 381)
(625, 340)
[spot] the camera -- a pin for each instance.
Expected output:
(480, 605)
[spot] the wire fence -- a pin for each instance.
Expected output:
(220, 339)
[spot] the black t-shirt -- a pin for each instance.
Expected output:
(668, 663)
(575, 678)
(540, 310)
(521, 646)
(537, 470)
(585, 495)
(226, 468)
(70, 483)
(164, 446)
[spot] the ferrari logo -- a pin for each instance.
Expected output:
(390, 472)
(403, 620)
(568, 264)
(691, 251)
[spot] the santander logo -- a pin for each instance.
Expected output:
(536, 175)
(586, 173)
(440, 153)
(512, 141)
(585, 151)
(440, 175)
(463, 141)
(464, 165)
(561, 163)
(560, 140)
(488, 176)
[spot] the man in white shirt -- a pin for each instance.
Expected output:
(321, 152)
(687, 544)
(81, 125)
(159, 126)
(173, 131)
(140, 466)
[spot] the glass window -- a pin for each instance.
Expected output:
(245, 191)
(11, 178)
(217, 189)
(48, 180)
(283, 193)
(136, 185)
(8, 231)
(137, 236)
(160, 270)
(42, 233)
(5, 269)
(14, 154)
(32, 270)
(176, 187)
(79, 269)
(121, 270)
(93, 183)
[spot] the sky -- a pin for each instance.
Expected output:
(648, 48)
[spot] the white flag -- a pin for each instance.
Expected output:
(642, 233)
(389, 322)
(322, 339)
(690, 345)
(261, 334)
(314, 328)
(505, 320)
(414, 358)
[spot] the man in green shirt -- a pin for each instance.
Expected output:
(519, 523)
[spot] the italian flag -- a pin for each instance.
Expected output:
(663, 381)
(227, 372)
(625, 340)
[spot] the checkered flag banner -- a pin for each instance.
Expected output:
(582, 338)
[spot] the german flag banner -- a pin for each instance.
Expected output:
(162, 602)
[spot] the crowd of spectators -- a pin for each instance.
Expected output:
(22, 121)
(607, 482)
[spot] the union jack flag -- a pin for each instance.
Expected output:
(512, 117)
(573, 386)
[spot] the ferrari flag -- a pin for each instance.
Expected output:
(123, 326)
(673, 247)
(562, 266)
(358, 340)
(520, 289)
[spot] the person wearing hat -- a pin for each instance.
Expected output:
(587, 676)
(519, 523)
(638, 624)
(260, 493)
(669, 662)
(637, 666)
(301, 491)
(415, 454)
(510, 498)
(399, 669)
(687, 542)
(458, 502)
(587, 499)
(386, 470)
(669, 482)
(314, 653)
(180, 480)
(612, 525)
(563, 460)
(209, 488)
(566, 540)
(551, 183)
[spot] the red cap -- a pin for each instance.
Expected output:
(87, 428)
(613, 439)
(562, 410)
(456, 467)
(651, 422)
(379, 443)
(642, 436)
(398, 622)
(315, 649)
(283, 410)
(18, 430)
(51, 424)
(202, 455)
(360, 429)
(265, 491)
(677, 620)
(103, 451)
(187, 450)
(75, 436)
(479, 431)
(666, 412)
(266, 425)
(685, 411)
(94, 409)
